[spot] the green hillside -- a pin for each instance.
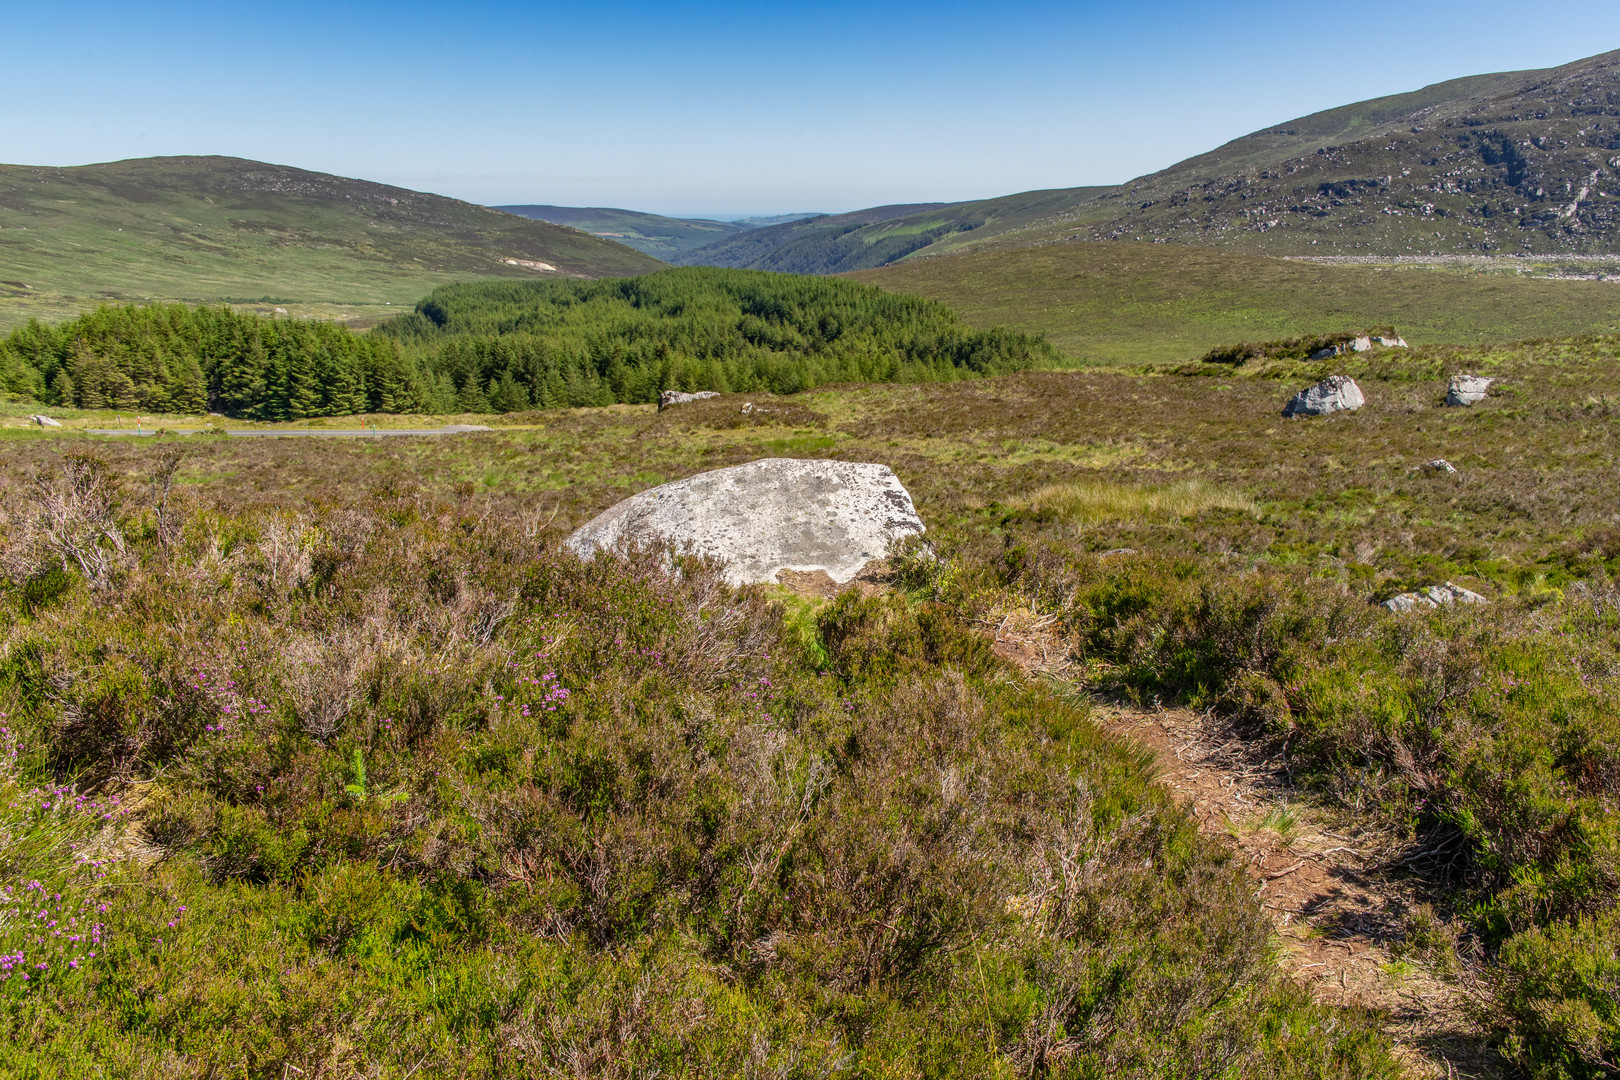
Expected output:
(863, 239)
(661, 237)
(1136, 303)
(215, 229)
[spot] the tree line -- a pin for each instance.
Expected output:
(506, 346)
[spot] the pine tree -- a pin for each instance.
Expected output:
(189, 393)
(62, 391)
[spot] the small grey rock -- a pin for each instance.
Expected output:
(1336, 393)
(1440, 465)
(1453, 594)
(1327, 353)
(1467, 389)
(1433, 596)
(1114, 552)
(766, 516)
(44, 421)
(676, 397)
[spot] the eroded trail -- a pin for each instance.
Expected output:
(1333, 888)
(1339, 908)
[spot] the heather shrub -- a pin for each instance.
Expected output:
(402, 789)
(1557, 987)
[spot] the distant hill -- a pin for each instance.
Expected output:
(1513, 162)
(218, 228)
(881, 235)
(1516, 162)
(664, 238)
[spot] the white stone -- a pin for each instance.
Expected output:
(1467, 389)
(1396, 342)
(1336, 393)
(1434, 596)
(1453, 594)
(675, 397)
(1440, 464)
(1360, 344)
(768, 515)
(45, 421)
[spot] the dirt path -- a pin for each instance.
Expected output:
(1329, 886)
(1338, 907)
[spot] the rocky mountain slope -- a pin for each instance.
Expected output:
(1516, 162)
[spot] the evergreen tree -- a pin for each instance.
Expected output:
(62, 392)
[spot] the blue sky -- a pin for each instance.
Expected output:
(729, 108)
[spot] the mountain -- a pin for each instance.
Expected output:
(664, 238)
(218, 228)
(1516, 162)
(881, 235)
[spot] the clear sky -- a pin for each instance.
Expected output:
(730, 108)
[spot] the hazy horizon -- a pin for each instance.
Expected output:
(722, 110)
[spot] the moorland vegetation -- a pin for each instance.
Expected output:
(509, 346)
(762, 833)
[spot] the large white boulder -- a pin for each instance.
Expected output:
(44, 421)
(768, 515)
(1336, 393)
(1467, 389)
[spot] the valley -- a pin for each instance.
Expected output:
(1162, 629)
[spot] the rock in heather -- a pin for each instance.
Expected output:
(766, 516)
(1434, 596)
(676, 397)
(1336, 393)
(44, 421)
(1467, 389)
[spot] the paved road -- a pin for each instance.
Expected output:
(330, 433)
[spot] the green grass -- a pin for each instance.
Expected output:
(261, 236)
(1145, 303)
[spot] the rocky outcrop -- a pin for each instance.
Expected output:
(1360, 344)
(1336, 393)
(676, 397)
(1467, 389)
(44, 421)
(766, 516)
(1433, 596)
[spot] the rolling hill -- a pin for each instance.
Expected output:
(226, 229)
(881, 235)
(661, 237)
